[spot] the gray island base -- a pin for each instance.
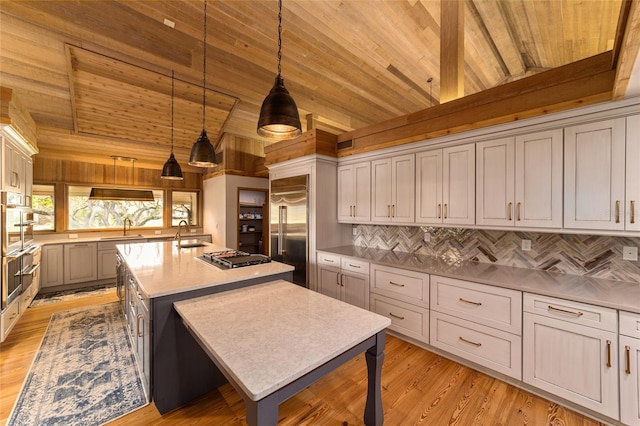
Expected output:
(273, 340)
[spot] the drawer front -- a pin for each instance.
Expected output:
(574, 312)
(409, 286)
(630, 324)
(9, 317)
(354, 265)
(407, 319)
(328, 259)
(496, 307)
(486, 346)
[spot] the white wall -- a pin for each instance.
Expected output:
(220, 206)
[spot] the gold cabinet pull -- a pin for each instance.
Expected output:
(388, 210)
(439, 211)
(354, 266)
(476, 344)
(510, 208)
(617, 211)
(627, 357)
(518, 214)
(396, 284)
(553, 308)
(138, 318)
(633, 212)
(608, 353)
(393, 210)
(337, 279)
(470, 302)
(445, 210)
(396, 316)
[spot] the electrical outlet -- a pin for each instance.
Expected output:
(354, 230)
(158, 232)
(630, 253)
(73, 235)
(427, 237)
(193, 231)
(526, 245)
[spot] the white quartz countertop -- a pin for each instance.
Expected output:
(608, 293)
(132, 236)
(287, 331)
(162, 269)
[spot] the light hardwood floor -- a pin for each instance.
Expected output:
(418, 387)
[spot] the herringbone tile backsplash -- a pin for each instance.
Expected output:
(589, 255)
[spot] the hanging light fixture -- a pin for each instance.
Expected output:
(171, 169)
(121, 194)
(279, 116)
(202, 152)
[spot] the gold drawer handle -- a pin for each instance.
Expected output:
(396, 284)
(396, 316)
(510, 208)
(445, 210)
(439, 211)
(608, 353)
(627, 352)
(518, 215)
(476, 344)
(552, 308)
(470, 302)
(139, 331)
(633, 212)
(617, 211)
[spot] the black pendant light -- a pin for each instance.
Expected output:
(171, 169)
(202, 152)
(279, 116)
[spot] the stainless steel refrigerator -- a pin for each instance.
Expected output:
(289, 224)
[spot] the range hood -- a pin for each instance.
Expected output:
(117, 194)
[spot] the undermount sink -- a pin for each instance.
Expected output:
(122, 237)
(191, 245)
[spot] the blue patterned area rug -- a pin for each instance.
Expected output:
(84, 372)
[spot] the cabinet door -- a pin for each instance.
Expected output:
(106, 264)
(594, 175)
(429, 187)
(381, 190)
(355, 289)
(27, 187)
(329, 281)
(13, 166)
(538, 199)
(629, 380)
(403, 183)
(362, 192)
(52, 266)
(346, 196)
(632, 198)
(572, 361)
(495, 182)
(80, 263)
(458, 185)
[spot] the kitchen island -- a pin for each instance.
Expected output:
(158, 274)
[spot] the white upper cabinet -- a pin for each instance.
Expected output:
(354, 193)
(393, 189)
(519, 181)
(445, 186)
(594, 175)
(632, 193)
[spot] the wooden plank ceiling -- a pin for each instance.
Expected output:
(96, 75)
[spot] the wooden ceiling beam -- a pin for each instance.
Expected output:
(628, 43)
(451, 50)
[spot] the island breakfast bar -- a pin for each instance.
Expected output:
(274, 339)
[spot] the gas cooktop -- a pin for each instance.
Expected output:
(234, 258)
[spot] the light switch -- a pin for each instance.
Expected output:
(630, 253)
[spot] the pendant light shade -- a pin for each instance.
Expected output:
(202, 152)
(171, 169)
(279, 116)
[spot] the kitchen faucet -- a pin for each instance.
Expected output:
(178, 235)
(124, 230)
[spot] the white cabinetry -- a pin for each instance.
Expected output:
(403, 297)
(107, 256)
(630, 368)
(138, 324)
(80, 262)
(52, 267)
(13, 168)
(570, 350)
(445, 186)
(354, 193)
(392, 191)
(478, 322)
(632, 174)
(594, 175)
(344, 278)
(519, 181)
(8, 318)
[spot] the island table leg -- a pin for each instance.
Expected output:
(262, 413)
(373, 411)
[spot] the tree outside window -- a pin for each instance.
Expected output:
(43, 205)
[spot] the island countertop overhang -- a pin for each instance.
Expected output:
(161, 268)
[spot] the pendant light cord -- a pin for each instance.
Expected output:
(172, 72)
(204, 69)
(279, 36)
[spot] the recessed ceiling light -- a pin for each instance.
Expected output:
(169, 23)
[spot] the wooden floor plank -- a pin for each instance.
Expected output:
(418, 388)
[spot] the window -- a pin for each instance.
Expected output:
(107, 214)
(184, 207)
(43, 204)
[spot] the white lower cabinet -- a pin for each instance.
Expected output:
(408, 319)
(8, 318)
(630, 368)
(80, 262)
(344, 278)
(52, 267)
(570, 350)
